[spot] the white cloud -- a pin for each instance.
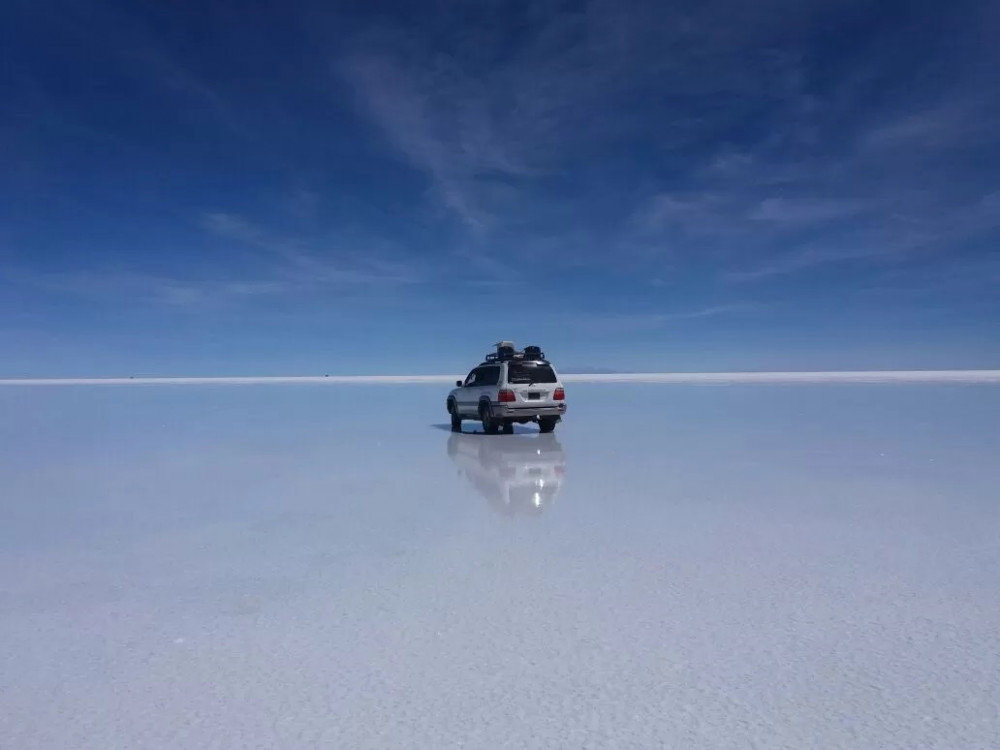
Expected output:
(115, 287)
(301, 263)
(283, 269)
(618, 323)
(472, 104)
(804, 210)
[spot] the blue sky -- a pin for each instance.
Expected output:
(217, 188)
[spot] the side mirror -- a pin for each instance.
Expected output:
(458, 383)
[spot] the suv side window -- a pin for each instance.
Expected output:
(482, 376)
(488, 376)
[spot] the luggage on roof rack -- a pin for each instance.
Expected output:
(533, 352)
(505, 350)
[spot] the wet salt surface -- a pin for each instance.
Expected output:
(811, 566)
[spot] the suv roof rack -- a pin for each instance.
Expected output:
(506, 351)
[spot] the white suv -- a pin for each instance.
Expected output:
(509, 387)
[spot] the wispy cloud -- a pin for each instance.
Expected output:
(302, 262)
(472, 105)
(894, 240)
(173, 76)
(688, 212)
(234, 227)
(804, 210)
(284, 270)
(759, 216)
(604, 324)
(954, 121)
(113, 287)
(876, 164)
(123, 32)
(444, 132)
(731, 142)
(801, 259)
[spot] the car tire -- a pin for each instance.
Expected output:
(490, 424)
(456, 419)
(546, 424)
(508, 427)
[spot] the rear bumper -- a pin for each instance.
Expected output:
(526, 411)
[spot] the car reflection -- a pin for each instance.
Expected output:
(517, 474)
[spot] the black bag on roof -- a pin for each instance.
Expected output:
(533, 352)
(505, 350)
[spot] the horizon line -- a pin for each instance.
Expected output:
(804, 376)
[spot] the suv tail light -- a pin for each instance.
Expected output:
(559, 395)
(507, 396)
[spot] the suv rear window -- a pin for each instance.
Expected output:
(528, 372)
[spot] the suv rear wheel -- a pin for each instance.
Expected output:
(490, 423)
(546, 424)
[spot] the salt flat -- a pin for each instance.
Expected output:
(750, 565)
